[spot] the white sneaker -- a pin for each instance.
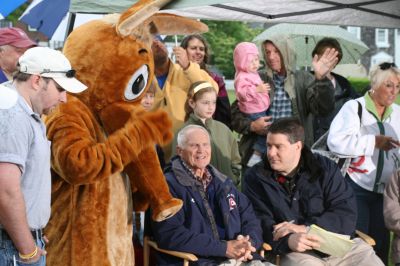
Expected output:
(255, 158)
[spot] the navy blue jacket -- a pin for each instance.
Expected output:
(190, 231)
(321, 196)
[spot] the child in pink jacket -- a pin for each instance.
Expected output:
(251, 92)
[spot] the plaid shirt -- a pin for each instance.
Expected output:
(281, 105)
(205, 179)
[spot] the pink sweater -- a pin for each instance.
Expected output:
(249, 100)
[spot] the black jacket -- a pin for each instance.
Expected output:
(322, 123)
(321, 196)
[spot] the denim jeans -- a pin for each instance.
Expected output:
(370, 218)
(9, 254)
(260, 144)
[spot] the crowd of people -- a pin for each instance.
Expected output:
(267, 186)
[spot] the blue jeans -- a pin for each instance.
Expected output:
(260, 144)
(9, 254)
(370, 218)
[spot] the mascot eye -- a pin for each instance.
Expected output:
(137, 83)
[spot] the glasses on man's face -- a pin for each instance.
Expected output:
(69, 73)
(386, 65)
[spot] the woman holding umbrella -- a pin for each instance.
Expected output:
(372, 142)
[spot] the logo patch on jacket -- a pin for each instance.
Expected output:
(232, 203)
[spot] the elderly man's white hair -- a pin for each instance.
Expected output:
(182, 134)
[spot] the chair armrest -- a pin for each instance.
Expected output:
(266, 247)
(182, 255)
(367, 239)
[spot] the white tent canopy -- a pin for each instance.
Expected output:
(372, 13)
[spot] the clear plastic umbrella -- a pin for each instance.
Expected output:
(306, 36)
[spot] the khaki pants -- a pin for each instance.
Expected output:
(233, 262)
(361, 254)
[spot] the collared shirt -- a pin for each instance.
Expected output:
(161, 80)
(205, 179)
(281, 105)
(24, 143)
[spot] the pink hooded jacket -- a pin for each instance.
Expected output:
(249, 100)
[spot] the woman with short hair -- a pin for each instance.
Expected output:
(373, 143)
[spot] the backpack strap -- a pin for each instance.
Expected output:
(359, 111)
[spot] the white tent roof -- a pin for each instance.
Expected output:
(373, 13)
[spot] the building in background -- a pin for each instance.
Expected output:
(384, 45)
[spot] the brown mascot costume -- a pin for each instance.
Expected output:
(103, 154)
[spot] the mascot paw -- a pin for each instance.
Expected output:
(166, 210)
(156, 126)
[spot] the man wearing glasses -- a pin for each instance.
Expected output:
(40, 84)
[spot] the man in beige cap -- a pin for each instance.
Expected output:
(13, 43)
(40, 84)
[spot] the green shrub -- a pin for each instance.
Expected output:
(359, 84)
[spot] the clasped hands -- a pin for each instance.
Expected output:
(240, 249)
(299, 240)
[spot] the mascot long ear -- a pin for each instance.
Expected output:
(169, 24)
(138, 14)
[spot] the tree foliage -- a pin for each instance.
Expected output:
(223, 37)
(14, 16)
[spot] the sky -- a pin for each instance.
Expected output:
(59, 34)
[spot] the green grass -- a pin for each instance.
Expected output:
(231, 95)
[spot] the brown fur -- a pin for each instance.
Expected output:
(103, 145)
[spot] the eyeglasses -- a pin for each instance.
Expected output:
(386, 66)
(69, 73)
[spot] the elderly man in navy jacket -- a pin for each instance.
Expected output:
(217, 222)
(293, 189)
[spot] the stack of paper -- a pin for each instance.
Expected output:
(331, 243)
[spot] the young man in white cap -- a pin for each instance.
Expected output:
(43, 78)
(13, 43)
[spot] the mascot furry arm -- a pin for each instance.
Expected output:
(103, 141)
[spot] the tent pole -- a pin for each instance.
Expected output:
(70, 24)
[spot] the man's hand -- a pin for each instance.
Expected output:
(324, 64)
(261, 125)
(181, 57)
(300, 242)
(247, 255)
(236, 249)
(386, 143)
(285, 228)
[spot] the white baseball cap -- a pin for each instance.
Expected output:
(53, 64)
